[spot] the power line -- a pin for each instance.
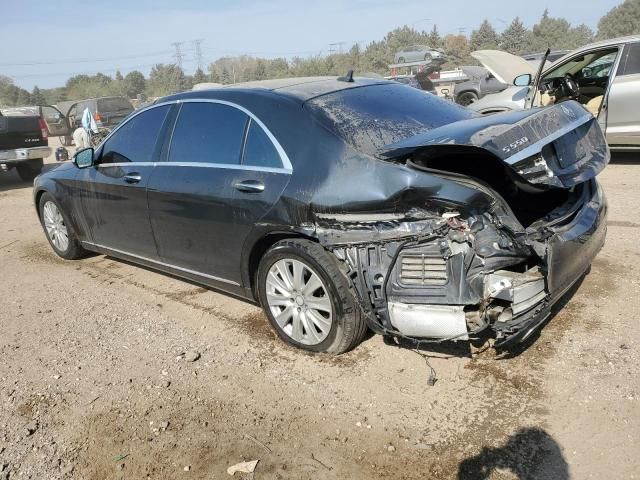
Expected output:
(84, 60)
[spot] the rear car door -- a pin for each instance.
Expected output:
(115, 189)
(204, 200)
(623, 103)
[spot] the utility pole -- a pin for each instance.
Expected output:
(333, 49)
(198, 49)
(178, 55)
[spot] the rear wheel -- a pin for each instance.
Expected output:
(307, 298)
(60, 233)
(30, 169)
(467, 98)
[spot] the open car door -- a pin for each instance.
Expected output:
(56, 122)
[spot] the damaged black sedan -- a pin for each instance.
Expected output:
(342, 205)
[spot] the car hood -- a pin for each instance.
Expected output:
(504, 66)
(557, 146)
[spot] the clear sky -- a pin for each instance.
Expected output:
(43, 42)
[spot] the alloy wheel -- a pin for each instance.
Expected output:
(299, 301)
(54, 224)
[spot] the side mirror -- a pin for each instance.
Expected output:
(523, 80)
(84, 158)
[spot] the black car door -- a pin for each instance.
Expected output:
(223, 172)
(115, 189)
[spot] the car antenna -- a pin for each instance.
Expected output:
(347, 78)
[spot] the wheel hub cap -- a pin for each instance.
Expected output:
(299, 301)
(55, 226)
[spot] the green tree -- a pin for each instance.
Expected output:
(118, 76)
(37, 98)
(199, 76)
(579, 36)
(134, 84)
(23, 98)
(225, 78)
(434, 38)
(515, 37)
(485, 38)
(165, 79)
(620, 21)
(550, 33)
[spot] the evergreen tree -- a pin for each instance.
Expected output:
(434, 38)
(118, 77)
(37, 98)
(550, 33)
(199, 76)
(485, 38)
(225, 77)
(515, 37)
(620, 21)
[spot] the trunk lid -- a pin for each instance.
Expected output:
(559, 146)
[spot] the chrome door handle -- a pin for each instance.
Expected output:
(250, 186)
(132, 177)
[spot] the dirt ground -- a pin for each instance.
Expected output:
(96, 378)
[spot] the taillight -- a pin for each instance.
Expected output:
(44, 131)
(97, 117)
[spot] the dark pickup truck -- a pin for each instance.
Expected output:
(24, 138)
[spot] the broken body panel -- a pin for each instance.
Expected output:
(441, 243)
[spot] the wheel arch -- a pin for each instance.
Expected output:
(257, 250)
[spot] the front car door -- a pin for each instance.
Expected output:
(56, 122)
(115, 189)
(223, 172)
(623, 104)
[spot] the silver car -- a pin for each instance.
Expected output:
(416, 53)
(603, 76)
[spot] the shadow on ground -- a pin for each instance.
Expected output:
(530, 454)
(11, 181)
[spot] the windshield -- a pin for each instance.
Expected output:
(368, 118)
(114, 104)
(583, 65)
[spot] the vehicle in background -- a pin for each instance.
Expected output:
(420, 81)
(536, 58)
(107, 112)
(481, 82)
(24, 138)
(345, 204)
(603, 76)
(416, 53)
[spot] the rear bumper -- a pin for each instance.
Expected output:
(23, 154)
(570, 252)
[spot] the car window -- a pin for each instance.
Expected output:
(631, 60)
(114, 104)
(136, 140)
(208, 133)
(591, 65)
(259, 150)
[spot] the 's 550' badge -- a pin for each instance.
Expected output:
(512, 146)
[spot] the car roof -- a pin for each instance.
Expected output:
(609, 42)
(300, 89)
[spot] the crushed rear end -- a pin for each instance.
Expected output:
(444, 267)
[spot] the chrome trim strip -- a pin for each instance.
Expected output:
(196, 164)
(284, 158)
(537, 146)
(186, 270)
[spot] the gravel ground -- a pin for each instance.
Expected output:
(114, 371)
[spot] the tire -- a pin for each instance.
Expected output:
(347, 324)
(30, 169)
(72, 250)
(467, 98)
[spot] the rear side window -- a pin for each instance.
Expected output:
(208, 133)
(136, 140)
(631, 59)
(115, 104)
(259, 151)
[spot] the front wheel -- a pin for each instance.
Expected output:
(307, 298)
(59, 231)
(467, 98)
